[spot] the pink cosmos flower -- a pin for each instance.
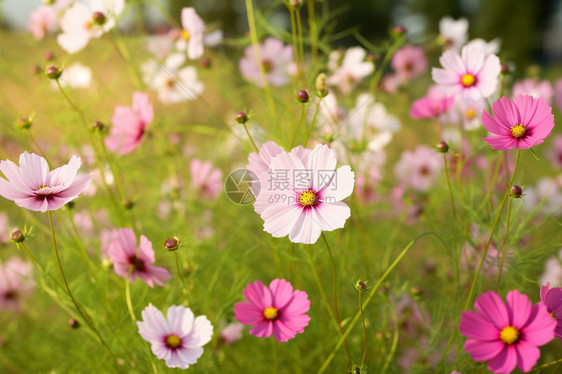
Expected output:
(555, 153)
(34, 187)
(521, 123)
(552, 299)
(419, 169)
(434, 104)
(16, 281)
(192, 36)
(537, 89)
(275, 57)
(409, 62)
(302, 199)
(130, 261)
(453, 34)
(179, 338)
(276, 310)
(205, 178)
(42, 21)
(351, 71)
(506, 334)
(232, 333)
(473, 74)
(4, 228)
(129, 125)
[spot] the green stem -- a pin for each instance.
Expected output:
(394, 342)
(117, 41)
(296, 49)
(321, 288)
(34, 141)
(180, 274)
(128, 297)
(505, 243)
(250, 137)
(312, 28)
(303, 107)
(301, 47)
(311, 126)
(449, 185)
(336, 308)
(378, 73)
(492, 184)
(371, 295)
(364, 328)
(473, 285)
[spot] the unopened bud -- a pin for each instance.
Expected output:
(399, 30)
(516, 191)
(172, 244)
(321, 89)
(25, 123)
(98, 126)
(442, 147)
(70, 205)
(360, 286)
(35, 69)
(99, 18)
(295, 4)
(205, 62)
(53, 72)
(128, 204)
(74, 324)
(241, 117)
(416, 291)
(17, 236)
(49, 56)
(372, 57)
(505, 69)
(302, 96)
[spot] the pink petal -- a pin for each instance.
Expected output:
(474, 326)
(452, 61)
(494, 126)
(501, 143)
(282, 292)
(491, 308)
(339, 184)
(306, 229)
(505, 361)
(298, 305)
(483, 350)
(281, 332)
(540, 326)
(527, 355)
(262, 329)
(518, 309)
(506, 112)
(180, 320)
(280, 219)
(331, 216)
(190, 355)
(248, 313)
(259, 295)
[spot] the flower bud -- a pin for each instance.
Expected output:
(205, 62)
(360, 286)
(172, 244)
(516, 191)
(241, 117)
(295, 4)
(53, 72)
(372, 57)
(127, 204)
(302, 96)
(416, 291)
(17, 236)
(399, 30)
(99, 18)
(36, 69)
(49, 56)
(442, 147)
(25, 123)
(70, 205)
(74, 324)
(98, 126)
(321, 90)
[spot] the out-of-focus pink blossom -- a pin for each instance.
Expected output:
(409, 62)
(205, 179)
(419, 168)
(42, 20)
(537, 89)
(351, 71)
(275, 57)
(16, 283)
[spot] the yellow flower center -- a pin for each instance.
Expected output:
(270, 313)
(518, 131)
(509, 335)
(307, 198)
(267, 65)
(470, 113)
(468, 80)
(553, 315)
(173, 341)
(185, 34)
(43, 186)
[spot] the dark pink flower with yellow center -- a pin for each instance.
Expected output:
(552, 299)
(179, 338)
(277, 310)
(473, 74)
(507, 334)
(521, 123)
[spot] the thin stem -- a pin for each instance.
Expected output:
(378, 73)
(312, 28)
(538, 368)
(126, 56)
(336, 308)
(394, 342)
(301, 47)
(180, 275)
(364, 328)
(505, 242)
(321, 289)
(311, 126)
(72, 103)
(493, 183)
(128, 296)
(371, 295)
(250, 137)
(449, 185)
(473, 285)
(34, 141)
(303, 107)
(294, 39)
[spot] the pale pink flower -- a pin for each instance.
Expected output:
(4, 228)
(420, 168)
(83, 222)
(16, 282)
(453, 33)
(205, 179)
(555, 153)
(132, 262)
(351, 71)
(553, 271)
(277, 310)
(129, 125)
(34, 187)
(470, 113)
(390, 83)
(42, 20)
(78, 25)
(409, 62)
(329, 115)
(192, 35)
(546, 195)
(232, 333)
(473, 75)
(178, 339)
(275, 57)
(537, 89)
(75, 76)
(432, 105)
(303, 199)
(489, 48)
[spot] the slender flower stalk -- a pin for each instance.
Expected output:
(505, 243)
(336, 308)
(449, 185)
(250, 137)
(182, 279)
(361, 290)
(380, 70)
(300, 43)
(313, 28)
(311, 126)
(303, 110)
(477, 274)
(321, 289)
(128, 297)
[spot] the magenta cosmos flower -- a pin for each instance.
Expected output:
(303, 198)
(179, 339)
(552, 299)
(129, 125)
(275, 57)
(506, 334)
(521, 123)
(473, 74)
(34, 187)
(432, 105)
(134, 263)
(277, 310)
